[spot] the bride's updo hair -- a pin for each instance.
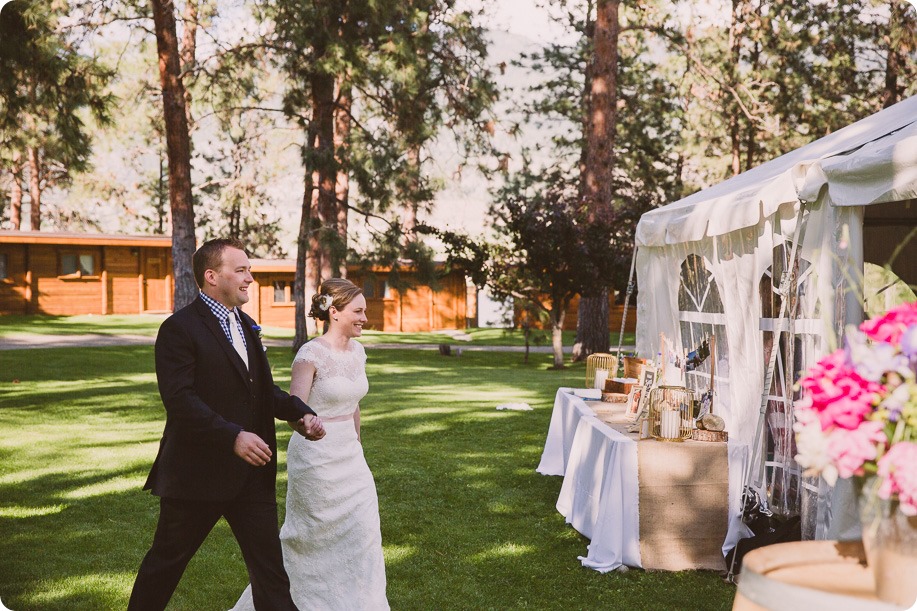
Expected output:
(336, 292)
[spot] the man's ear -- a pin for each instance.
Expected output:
(210, 277)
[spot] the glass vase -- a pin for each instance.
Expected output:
(890, 541)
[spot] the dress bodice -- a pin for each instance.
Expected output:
(340, 377)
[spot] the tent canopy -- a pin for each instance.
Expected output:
(871, 161)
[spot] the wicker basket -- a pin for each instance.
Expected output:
(633, 367)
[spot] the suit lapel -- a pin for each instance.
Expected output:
(211, 322)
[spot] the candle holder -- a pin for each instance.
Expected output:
(600, 361)
(671, 413)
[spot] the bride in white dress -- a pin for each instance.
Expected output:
(332, 543)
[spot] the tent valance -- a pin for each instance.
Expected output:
(870, 161)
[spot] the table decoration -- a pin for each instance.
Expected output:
(858, 419)
(600, 361)
(670, 413)
(633, 401)
(614, 397)
(634, 367)
(621, 385)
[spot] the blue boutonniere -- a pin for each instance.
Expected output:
(257, 330)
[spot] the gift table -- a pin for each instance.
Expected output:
(642, 503)
(807, 575)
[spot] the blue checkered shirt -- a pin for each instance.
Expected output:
(223, 314)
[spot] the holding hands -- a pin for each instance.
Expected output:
(253, 450)
(310, 427)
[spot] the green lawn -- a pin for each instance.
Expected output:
(466, 521)
(148, 324)
(140, 324)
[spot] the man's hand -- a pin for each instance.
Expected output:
(252, 449)
(310, 427)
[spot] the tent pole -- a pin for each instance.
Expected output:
(754, 462)
(630, 291)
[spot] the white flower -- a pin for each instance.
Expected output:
(812, 444)
(325, 303)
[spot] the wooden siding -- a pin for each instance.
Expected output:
(115, 286)
(264, 309)
(418, 309)
(615, 312)
(123, 289)
(13, 287)
(375, 313)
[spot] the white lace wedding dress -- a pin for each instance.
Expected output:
(332, 544)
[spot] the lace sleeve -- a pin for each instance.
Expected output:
(362, 352)
(306, 354)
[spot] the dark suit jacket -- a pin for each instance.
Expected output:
(209, 398)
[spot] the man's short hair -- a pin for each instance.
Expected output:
(210, 256)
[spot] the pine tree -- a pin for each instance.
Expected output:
(45, 83)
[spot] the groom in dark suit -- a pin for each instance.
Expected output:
(217, 457)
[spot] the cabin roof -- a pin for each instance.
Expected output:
(83, 239)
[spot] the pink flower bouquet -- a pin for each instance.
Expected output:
(858, 414)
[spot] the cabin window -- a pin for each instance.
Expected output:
(4, 271)
(375, 288)
(282, 291)
(78, 264)
(369, 288)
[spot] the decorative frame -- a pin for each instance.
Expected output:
(634, 401)
(649, 377)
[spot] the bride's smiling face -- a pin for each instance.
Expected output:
(351, 319)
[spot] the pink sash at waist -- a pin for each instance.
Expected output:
(339, 418)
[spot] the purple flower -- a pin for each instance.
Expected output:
(909, 341)
(909, 346)
(873, 360)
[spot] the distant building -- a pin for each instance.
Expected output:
(68, 274)
(416, 309)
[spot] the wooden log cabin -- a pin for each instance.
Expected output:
(417, 309)
(571, 315)
(66, 274)
(70, 274)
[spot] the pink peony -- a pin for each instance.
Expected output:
(849, 449)
(837, 393)
(891, 326)
(898, 470)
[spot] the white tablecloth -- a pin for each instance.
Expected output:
(599, 496)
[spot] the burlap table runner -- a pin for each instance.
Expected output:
(684, 500)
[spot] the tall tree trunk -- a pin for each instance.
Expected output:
(558, 312)
(324, 209)
(409, 209)
(189, 51)
(592, 332)
(178, 148)
(16, 192)
(342, 127)
(601, 119)
(302, 299)
(318, 226)
(735, 42)
(34, 189)
(898, 50)
(597, 181)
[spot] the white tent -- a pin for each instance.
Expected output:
(712, 264)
